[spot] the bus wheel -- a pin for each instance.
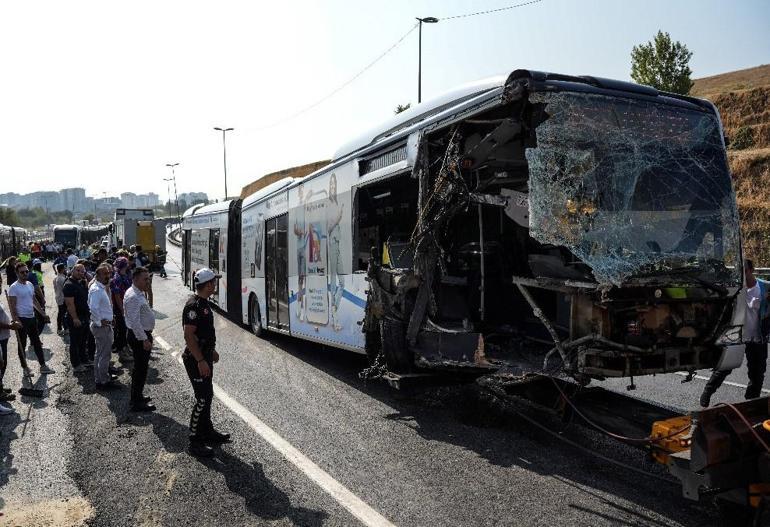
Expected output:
(254, 319)
(398, 358)
(373, 345)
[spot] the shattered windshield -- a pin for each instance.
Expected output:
(632, 187)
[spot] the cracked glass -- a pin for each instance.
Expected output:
(633, 188)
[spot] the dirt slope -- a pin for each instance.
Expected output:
(732, 81)
(743, 100)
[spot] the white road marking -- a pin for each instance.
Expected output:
(163, 344)
(355, 505)
(729, 383)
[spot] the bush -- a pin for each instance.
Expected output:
(742, 139)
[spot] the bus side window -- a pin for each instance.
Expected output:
(386, 213)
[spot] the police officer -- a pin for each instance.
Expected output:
(199, 358)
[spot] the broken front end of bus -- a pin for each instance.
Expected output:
(578, 225)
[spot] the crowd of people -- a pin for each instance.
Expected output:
(89, 288)
(105, 307)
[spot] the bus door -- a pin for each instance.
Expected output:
(214, 260)
(276, 272)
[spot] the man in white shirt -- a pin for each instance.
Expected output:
(100, 305)
(58, 293)
(140, 321)
(755, 342)
(21, 297)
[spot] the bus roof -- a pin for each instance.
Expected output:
(420, 112)
(65, 226)
(191, 210)
(266, 191)
(214, 208)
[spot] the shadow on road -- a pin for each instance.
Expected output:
(262, 497)
(8, 433)
(462, 415)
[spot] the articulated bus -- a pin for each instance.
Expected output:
(211, 238)
(67, 235)
(12, 239)
(537, 221)
(92, 234)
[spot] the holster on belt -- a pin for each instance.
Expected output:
(206, 347)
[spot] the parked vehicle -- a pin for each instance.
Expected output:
(12, 239)
(69, 236)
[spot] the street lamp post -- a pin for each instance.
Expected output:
(224, 152)
(176, 198)
(426, 20)
(168, 190)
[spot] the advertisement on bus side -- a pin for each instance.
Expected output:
(323, 300)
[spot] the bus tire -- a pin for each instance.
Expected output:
(255, 321)
(398, 358)
(373, 345)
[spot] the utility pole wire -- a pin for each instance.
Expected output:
(339, 88)
(466, 15)
(375, 61)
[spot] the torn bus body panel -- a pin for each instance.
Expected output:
(590, 232)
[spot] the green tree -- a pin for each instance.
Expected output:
(402, 108)
(662, 64)
(8, 216)
(38, 217)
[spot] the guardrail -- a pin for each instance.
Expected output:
(174, 236)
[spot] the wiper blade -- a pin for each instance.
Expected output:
(689, 272)
(665, 272)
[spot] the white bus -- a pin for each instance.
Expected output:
(511, 222)
(211, 237)
(12, 239)
(68, 236)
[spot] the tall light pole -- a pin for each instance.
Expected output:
(176, 198)
(224, 152)
(168, 190)
(426, 20)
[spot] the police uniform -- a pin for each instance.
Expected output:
(197, 312)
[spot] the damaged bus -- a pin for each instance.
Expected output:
(534, 223)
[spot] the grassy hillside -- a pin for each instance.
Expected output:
(732, 81)
(743, 100)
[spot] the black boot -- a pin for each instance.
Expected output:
(217, 437)
(142, 406)
(199, 449)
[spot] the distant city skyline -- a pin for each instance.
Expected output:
(74, 199)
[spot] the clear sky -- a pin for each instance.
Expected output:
(103, 94)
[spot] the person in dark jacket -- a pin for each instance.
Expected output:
(199, 357)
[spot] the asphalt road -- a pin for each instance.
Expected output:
(315, 445)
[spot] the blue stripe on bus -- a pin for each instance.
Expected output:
(360, 302)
